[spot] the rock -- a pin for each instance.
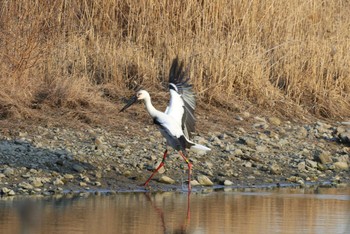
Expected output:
(195, 183)
(82, 184)
(204, 180)
(11, 193)
(68, 176)
(325, 157)
(161, 170)
(127, 173)
(301, 132)
(311, 163)
(228, 183)
(2, 175)
(25, 185)
(121, 145)
(301, 182)
(343, 166)
(78, 168)
(98, 174)
(209, 165)
(166, 180)
(344, 137)
(36, 182)
(261, 148)
(237, 152)
(321, 166)
(294, 179)
(283, 142)
(58, 181)
(8, 171)
(275, 121)
(247, 164)
(27, 175)
(262, 125)
(275, 169)
(5, 190)
(248, 141)
(246, 114)
(301, 166)
(257, 118)
(239, 118)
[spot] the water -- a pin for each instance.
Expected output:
(284, 210)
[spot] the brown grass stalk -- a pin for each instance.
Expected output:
(291, 57)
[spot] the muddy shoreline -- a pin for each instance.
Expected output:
(255, 152)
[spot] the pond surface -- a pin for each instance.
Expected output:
(283, 210)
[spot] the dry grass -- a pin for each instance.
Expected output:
(290, 57)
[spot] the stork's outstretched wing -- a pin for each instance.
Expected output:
(182, 99)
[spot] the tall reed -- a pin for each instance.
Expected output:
(290, 57)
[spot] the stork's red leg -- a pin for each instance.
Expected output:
(160, 166)
(189, 164)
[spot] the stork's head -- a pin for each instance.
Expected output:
(140, 95)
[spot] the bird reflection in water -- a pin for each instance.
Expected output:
(183, 228)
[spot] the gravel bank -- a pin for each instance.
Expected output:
(49, 160)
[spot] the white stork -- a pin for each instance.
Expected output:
(177, 122)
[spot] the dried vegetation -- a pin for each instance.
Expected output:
(75, 57)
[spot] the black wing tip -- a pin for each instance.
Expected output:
(177, 74)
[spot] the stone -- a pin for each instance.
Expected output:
(325, 157)
(11, 193)
(166, 180)
(195, 183)
(249, 142)
(248, 164)
(321, 166)
(261, 148)
(36, 182)
(239, 118)
(257, 118)
(5, 190)
(344, 137)
(27, 175)
(246, 114)
(58, 181)
(25, 185)
(311, 163)
(161, 170)
(275, 121)
(204, 180)
(209, 165)
(342, 166)
(127, 173)
(301, 132)
(228, 183)
(78, 168)
(301, 166)
(8, 171)
(98, 174)
(275, 169)
(68, 176)
(238, 152)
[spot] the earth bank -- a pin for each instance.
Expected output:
(249, 151)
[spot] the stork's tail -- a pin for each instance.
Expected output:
(199, 148)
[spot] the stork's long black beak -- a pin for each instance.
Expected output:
(131, 101)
